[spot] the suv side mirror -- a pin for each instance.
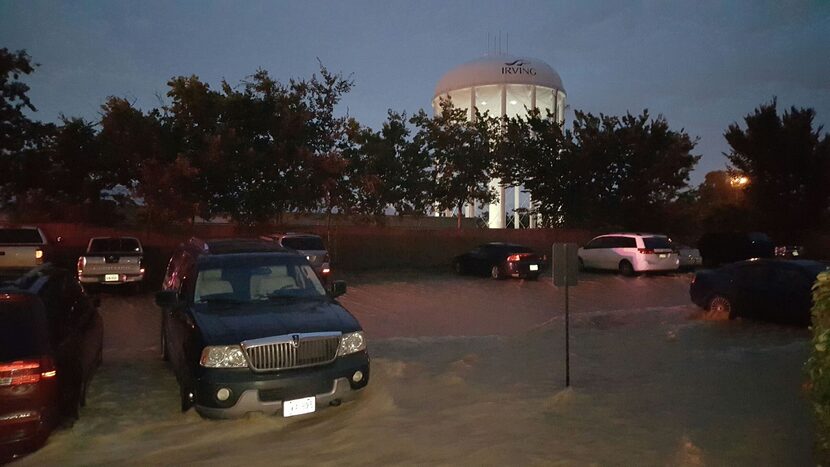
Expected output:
(167, 298)
(338, 288)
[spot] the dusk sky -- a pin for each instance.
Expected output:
(703, 65)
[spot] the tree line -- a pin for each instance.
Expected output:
(258, 149)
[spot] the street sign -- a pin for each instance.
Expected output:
(565, 264)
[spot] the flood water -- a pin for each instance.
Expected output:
(470, 371)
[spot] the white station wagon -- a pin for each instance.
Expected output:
(629, 253)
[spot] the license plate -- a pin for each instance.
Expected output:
(534, 267)
(663, 255)
(298, 406)
(111, 277)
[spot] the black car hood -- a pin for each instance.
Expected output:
(224, 324)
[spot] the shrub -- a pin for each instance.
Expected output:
(818, 366)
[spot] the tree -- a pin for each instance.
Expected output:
(533, 153)
(626, 171)
(388, 170)
(22, 141)
(787, 162)
(461, 152)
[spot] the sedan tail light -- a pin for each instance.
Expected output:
(518, 257)
(81, 264)
(39, 256)
(646, 251)
(26, 371)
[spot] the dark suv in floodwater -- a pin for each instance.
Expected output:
(247, 327)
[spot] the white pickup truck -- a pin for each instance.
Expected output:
(112, 260)
(21, 249)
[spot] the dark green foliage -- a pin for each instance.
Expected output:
(818, 366)
(788, 164)
(461, 153)
(608, 172)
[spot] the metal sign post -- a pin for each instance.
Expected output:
(566, 273)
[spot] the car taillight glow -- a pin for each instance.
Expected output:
(517, 257)
(39, 256)
(81, 264)
(26, 371)
(326, 270)
(646, 251)
(694, 278)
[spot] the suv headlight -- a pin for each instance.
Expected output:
(350, 343)
(223, 356)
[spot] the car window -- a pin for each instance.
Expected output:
(624, 242)
(23, 236)
(23, 333)
(790, 277)
(303, 243)
(753, 274)
(655, 243)
(110, 245)
(603, 242)
(593, 244)
(758, 237)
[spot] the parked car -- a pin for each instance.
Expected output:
(21, 249)
(789, 251)
(765, 289)
(689, 257)
(248, 327)
(112, 261)
(718, 248)
(629, 253)
(50, 346)
(311, 246)
(500, 260)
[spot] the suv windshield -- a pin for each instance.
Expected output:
(656, 243)
(258, 279)
(303, 243)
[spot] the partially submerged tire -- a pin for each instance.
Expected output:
(721, 305)
(495, 272)
(626, 269)
(186, 398)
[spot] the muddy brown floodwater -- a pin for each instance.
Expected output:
(470, 371)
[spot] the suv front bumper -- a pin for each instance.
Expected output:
(265, 392)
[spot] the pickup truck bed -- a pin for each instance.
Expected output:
(21, 249)
(112, 261)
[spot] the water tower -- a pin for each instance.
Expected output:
(506, 86)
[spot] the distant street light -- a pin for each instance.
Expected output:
(739, 181)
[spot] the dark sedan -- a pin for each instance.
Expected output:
(50, 345)
(500, 260)
(764, 289)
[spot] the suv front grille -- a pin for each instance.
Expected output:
(292, 351)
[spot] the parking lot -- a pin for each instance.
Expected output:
(471, 371)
